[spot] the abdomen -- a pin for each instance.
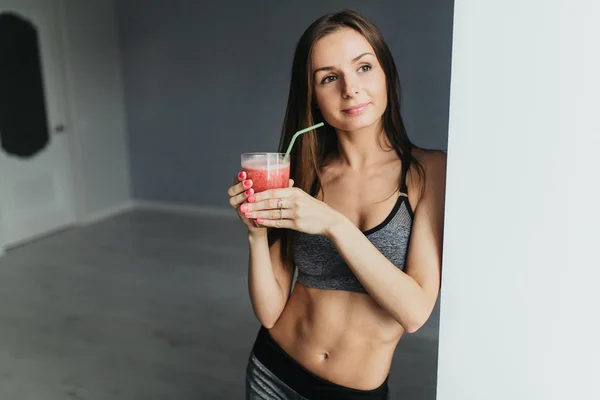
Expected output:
(343, 337)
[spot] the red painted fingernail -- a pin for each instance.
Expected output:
(249, 192)
(243, 208)
(247, 182)
(248, 214)
(241, 175)
(259, 220)
(251, 199)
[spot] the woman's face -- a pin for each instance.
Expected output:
(349, 84)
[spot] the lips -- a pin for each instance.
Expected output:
(357, 109)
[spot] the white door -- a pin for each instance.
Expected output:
(35, 189)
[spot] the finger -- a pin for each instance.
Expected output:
(235, 201)
(291, 183)
(239, 188)
(270, 214)
(239, 177)
(276, 223)
(274, 194)
(269, 204)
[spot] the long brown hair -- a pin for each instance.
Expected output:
(312, 149)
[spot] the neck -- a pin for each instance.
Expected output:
(362, 148)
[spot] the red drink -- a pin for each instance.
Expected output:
(266, 170)
(263, 179)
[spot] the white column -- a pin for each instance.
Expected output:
(520, 296)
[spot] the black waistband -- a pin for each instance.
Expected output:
(302, 381)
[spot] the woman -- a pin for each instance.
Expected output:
(362, 225)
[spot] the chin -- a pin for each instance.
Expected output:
(354, 124)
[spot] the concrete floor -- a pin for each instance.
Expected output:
(146, 305)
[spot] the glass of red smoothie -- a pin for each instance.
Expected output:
(266, 170)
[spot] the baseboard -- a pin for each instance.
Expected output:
(211, 211)
(97, 216)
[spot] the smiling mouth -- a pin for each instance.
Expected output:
(357, 109)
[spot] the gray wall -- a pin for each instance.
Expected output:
(96, 105)
(206, 82)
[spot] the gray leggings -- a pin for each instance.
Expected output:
(273, 375)
(262, 384)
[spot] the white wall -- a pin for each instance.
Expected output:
(98, 125)
(520, 299)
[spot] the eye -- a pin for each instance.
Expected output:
(365, 68)
(328, 79)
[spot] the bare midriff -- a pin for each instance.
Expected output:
(342, 337)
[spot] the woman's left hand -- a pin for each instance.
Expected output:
(291, 208)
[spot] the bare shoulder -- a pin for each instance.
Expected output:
(434, 165)
(432, 160)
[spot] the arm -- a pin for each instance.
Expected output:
(408, 296)
(269, 279)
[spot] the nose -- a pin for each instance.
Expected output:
(351, 87)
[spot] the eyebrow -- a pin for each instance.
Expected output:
(355, 59)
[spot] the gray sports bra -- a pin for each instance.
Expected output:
(320, 265)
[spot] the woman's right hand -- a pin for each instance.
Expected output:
(238, 195)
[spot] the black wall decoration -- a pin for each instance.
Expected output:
(23, 121)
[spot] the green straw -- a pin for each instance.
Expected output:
(310, 128)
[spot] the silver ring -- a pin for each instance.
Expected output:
(280, 204)
(280, 213)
